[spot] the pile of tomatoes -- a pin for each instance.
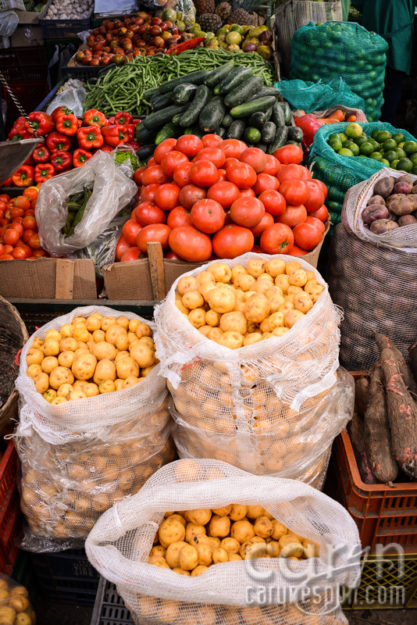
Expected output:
(207, 198)
(18, 229)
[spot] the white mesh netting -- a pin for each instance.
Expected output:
(120, 543)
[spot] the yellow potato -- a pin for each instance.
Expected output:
(283, 282)
(245, 282)
(148, 340)
(104, 350)
(130, 381)
(33, 370)
(198, 517)
(158, 551)
(221, 272)
(66, 330)
(123, 321)
(142, 354)
(192, 299)
(114, 332)
(257, 308)
(273, 549)
(234, 557)
(91, 389)
(223, 511)
(84, 366)
(146, 370)
(20, 603)
(188, 558)
(294, 550)
(263, 527)
(178, 517)
(278, 530)
(255, 511)
(187, 283)
(311, 550)
(65, 359)
(233, 322)
(197, 317)
(126, 367)
(106, 322)
(81, 333)
(221, 299)
(219, 526)
(238, 512)
(105, 371)
(79, 321)
(59, 400)
(252, 337)
(279, 331)
(7, 615)
(303, 302)
(64, 390)
(275, 267)
(98, 336)
(236, 271)
(34, 356)
(220, 555)
(179, 305)
(49, 395)
(199, 570)
(160, 562)
(205, 278)
(291, 267)
(231, 545)
(204, 551)
(122, 341)
(172, 554)
(119, 384)
(314, 289)
(255, 267)
(242, 531)
(193, 530)
(214, 334)
(204, 330)
(232, 340)
(298, 277)
(293, 290)
(41, 381)
(143, 330)
(75, 394)
(68, 344)
(171, 532)
(93, 322)
(53, 334)
(254, 548)
(292, 316)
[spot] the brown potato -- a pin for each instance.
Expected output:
(127, 367)
(188, 558)
(105, 350)
(221, 272)
(34, 356)
(105, 370)
(220, 555)
(65, 359)
(242, 531)
(263, 527)
(33, 370)
(41, 381)
(84, 366)
(219, 526)
(172, 554)
(187, 283)
(171, 531)
(142, 354)
(198, 517)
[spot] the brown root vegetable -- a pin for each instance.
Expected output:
(384, 186)
(403, 187)
(412, 353)
(356, 431)
(379, 226)
(377, 433)
(383, 342)
(407, 220)
(361, 394)
(413, 199)
(400, 204)
(374, 212)
(376, 199)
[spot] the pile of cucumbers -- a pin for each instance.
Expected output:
(229, 101)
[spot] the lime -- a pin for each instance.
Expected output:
(386, 163)
(382, 135)
(345, 152)
(394, 163)
(362, 139)
(335, 142)
(400, 153)
(375, 144)
(410, 147)
(404, 164)
(389, 144)
(413, 159)
(343, 137)
(366, 148)
(350, 145)
(401, 145)
(414, 170)
(391, 155)
(353, 130)
(398, 137)
(377, 156)
(375, 133)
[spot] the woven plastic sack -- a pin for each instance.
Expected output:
(372, 277)
(112, 191)
(81, 456)
(270, 407)
(323, 94)
(15, 607)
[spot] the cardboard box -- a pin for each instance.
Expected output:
(48, 278)
(27, 35)
(28, 17)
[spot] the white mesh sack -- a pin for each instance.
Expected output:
(81, 456)
(271, 407)
(372, 277)
(119, 545)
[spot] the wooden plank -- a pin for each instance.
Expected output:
(64, 279)
(156, 269)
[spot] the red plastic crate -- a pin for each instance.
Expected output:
(10, 517)
(383, 514)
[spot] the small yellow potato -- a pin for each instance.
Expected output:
(291, 267)
(114, 332)
(292, 316)
(293, 290)
(214, 334)
(93, 322)
(104, 350)
(122, 341)
(231, 545)
(119, 384)
(127, 367)
(279, 331)
(311, 550)
(192, 300)
(314, 289)
(283, 282)
(245, 282)
(220, 555)
(106, 322)
(275, 267)
(204, 330)
(197, 317)
(288, 539)
(188, 558)
(64, 390)
(107, 386)
(273, 549)
(159, 551)
(81, 333)
(105, 370)
(236, 271)
(65, 359)
(204, 553)
(34, 356)
(294, 550)
(251, 338)
(68, 344)
(221, 299)
(79, 321)
(160, 562)
(257, 308)
(205, 278)
(255, 267)
(41, 381)
(59, 400)
(20, 603)
(122, 354)
(130, 381)
(66, 330)
(255, 511)
(49, 395)
(99, 336)
(303, 302)
(223, 511)
(278, 530)
(143, 330)
(181, 572)
(263, 527)
(84, 366)
(53, 334)
(76, 395)
(234, 557)
(179, 305)
(172, 554)
(177, 517)
(242, 531)
(142, 354)
(123, 321)
(146, 370)
(233, 322)
(219, 526)
(171, 532)
(132, 338)
(232, 340)
(200, 516)
(148, 340)
(298, 277)
(199, 570)
(238, 512)
(254, 548)
(193, 530)
(221, 272)
(7, 615)
(33, 370)
(186, 284)
(263, 284)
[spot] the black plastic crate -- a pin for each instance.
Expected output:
(86, 72)
(109, 608)
(56, 29)
(65, 577)
(24, 64)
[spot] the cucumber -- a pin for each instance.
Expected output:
(243, 92)
(287, 112)
(182, 93)
(236, 129)
(233, 79)
(194, 130)
(246, 109)
(160, 101)
(252, 135)
(160, 118)
(258, 119)
(218, 74)
(176, 118)
(190, 115)
(280, 139)
(295, 134)
(168, 131)
(221, 132)
(143, 135)
(196, 78)
(278, 116)
(268, 132)
(268, 91)
(261, 146)
(212, 115)
(227, 120)
(145, 152)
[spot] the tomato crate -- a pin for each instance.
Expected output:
(109, 608)
(10, 515)
(383, 514)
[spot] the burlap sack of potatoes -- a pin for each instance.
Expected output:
(81, 456)
(273, 407)
(120, 543)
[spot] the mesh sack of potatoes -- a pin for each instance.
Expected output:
(273, 405)
(81, 453)
(261, 585)
(15, 606)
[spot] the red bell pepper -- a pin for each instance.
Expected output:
(41, 154)
(94, 118)
(67, 124)
(23, 177)
(106, 148)
(123, 118)
(134, 144)
(55, 141)
(111, 121)
(61, 160)
(80, 157)
(41, 123)
(309, 124)
(44, 171)
(90, 137)
(20, 130)
(60, 110)
(117, 134)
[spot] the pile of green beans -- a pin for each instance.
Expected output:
(122, 88)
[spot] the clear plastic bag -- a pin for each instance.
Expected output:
(112, 191)
(120, 542)
(8, 23)
(72, 95)
(15, 607)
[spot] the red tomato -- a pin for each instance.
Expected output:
(215, 155)
(289, 154)
(38, 253)
(171, 160)
(247, 193)
(212, 141)
(29, 222)
(147, 213)
(232, 241)
(317, 223)
(147, 193)
(154, 175)
(34, 241)
(208, 216)
(277, 239)
(131, 230)
(225, 193)
(11, 236)
(222, 174)
(20, 252)
(21, 201)
(1, 249)
(267, 220)
(323, 187)
(233, 147)
(8, 249)
(179, 216)
(167, 196)
(182, 174)
(24, 247)
(289, 172)
(242, 174)
(254, 157)
(293, 215)
(273, 201)
(190, 194)
(296, 251)
(17, 212)
(189, 145)
(172, 256)
(4, 197)
(6, 257)
(229, 160)
(151, 162)
(163, 148)
(27, 234)
(190, 244)
(264, 182)
(322, 213)
(121, 247)
(137, 176)
(204, 174)
(247, 211)
(315, 197)
(295, 191)
(18, 227)
(272, 165)
(132, 253)
(156, 232)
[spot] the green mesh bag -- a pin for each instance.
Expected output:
(324, 94)
(342, 49)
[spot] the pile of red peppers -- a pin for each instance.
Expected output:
(68, 141)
